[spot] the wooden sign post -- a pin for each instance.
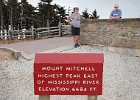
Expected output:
(44, 97)
(68, 74)
(92, 97)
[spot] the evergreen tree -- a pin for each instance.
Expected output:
(13, 9)
(27, 14)
(94, 15)
(1, 17)
(24, 1)
(85, 14)
(21, 15)
(45, 10)
(69, 11)
(6, 17)
(62, 12)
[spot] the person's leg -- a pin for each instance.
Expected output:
(74, 39)
(74, 35)
(77, 37)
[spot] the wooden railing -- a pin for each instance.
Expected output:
(66, 29)
(42, 32)
(46, 32)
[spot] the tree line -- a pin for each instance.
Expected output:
(22, 15)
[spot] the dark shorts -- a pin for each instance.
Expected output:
(75, 30)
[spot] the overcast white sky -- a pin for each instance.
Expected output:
(130, 8)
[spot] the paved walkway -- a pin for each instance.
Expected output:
(32, 47)
(40, 45)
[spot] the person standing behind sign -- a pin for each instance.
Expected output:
(74, 20)
(116, 13)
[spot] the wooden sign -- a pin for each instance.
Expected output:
(68, 74)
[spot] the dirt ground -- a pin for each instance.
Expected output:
(6, 55)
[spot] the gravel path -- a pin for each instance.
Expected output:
(121, 79)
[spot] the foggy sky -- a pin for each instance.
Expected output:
(130, 8)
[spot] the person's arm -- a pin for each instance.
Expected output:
(120, 14)
(69, 21)
(111, 15)
(82, 18)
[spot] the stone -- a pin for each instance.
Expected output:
(121, 33)
(124, 34)
(17, 54)
(109, 41)
(138, 43)
(130, 34)
(114, 41)
(89, 42)
(135, 32)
